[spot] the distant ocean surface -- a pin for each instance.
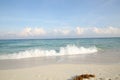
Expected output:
(75, 50)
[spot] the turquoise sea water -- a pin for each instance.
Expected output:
(20, 53)
(26, 48)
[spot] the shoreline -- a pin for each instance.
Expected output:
(62, 72)
(12, 64)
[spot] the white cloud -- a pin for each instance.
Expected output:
(79, 30)
(39, 31)
(28, 31)
(107, 30)
(62, 31)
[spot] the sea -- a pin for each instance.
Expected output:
(21, 53)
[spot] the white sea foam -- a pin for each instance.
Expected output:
(68, 50)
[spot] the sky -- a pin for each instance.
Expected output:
(59, 18)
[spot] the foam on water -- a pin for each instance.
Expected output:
(68, 50)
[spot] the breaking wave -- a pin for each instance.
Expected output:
(68, 50)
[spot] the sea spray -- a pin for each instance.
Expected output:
(67, 50)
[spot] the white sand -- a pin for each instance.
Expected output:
(62, 72)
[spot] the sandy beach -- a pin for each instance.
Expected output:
(62, 72)
(59, 39)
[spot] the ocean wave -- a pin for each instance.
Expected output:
(68, 50)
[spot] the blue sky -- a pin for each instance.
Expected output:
(59, 18)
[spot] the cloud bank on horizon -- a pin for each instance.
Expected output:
(77, 32)
(59, 18)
